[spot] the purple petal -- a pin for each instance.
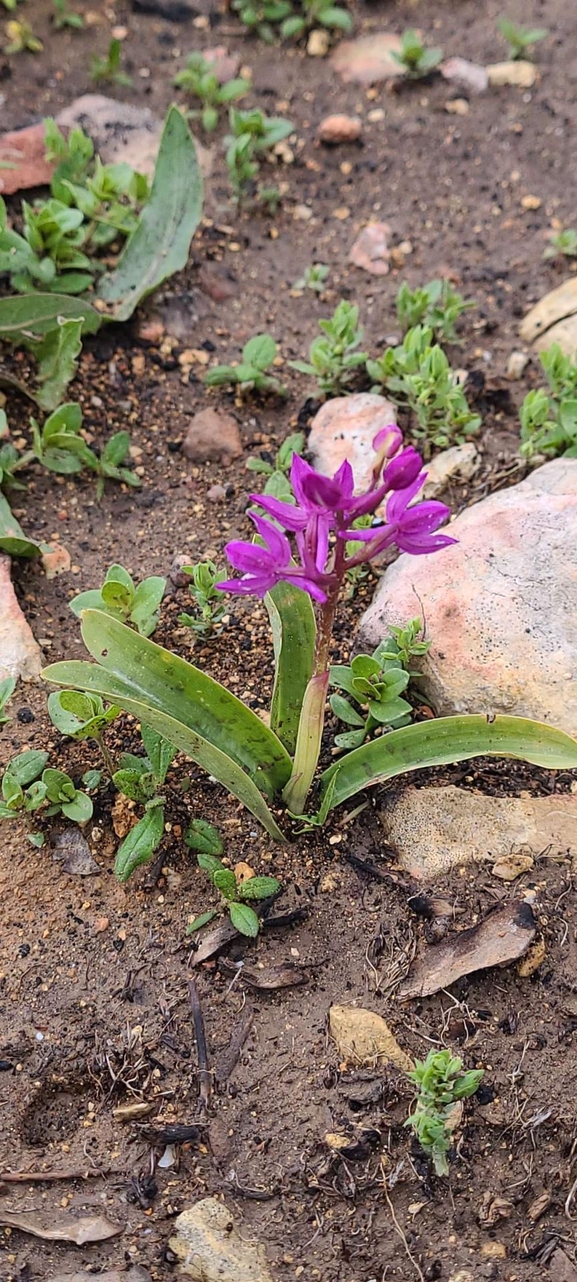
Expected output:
(424, 517)
(419, 546)
(400, 499)
(388, 440)
(403, 470)
(252, 585)
(249, 558)
(368, 502)
(344, 478)
(299, 470)
(291, 517)
(280, 548)
(307, 585)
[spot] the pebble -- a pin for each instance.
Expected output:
(224, 64)
(457, 107)
(216, 494)
(503, 625)
(337, 129)
(363, 1037)
(20, 654)
(368, 60)
(465, 74)
(517, 364)
(151, 332)
(519, 73)
(56, 561)
(213, 434)
(460, 461)
(370, 250)
(318, 43)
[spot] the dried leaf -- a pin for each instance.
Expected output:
(270, 977)
(501, 937)
(62, 1228)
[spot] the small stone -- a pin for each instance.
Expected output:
(217, 283)
(465, 74)
(225, 65)
(369, 59)
(56, 561)
(512, 866)
(517, 364)
(302, 213)
(539, 1206)
(24, 149)
(561, 1268)
(211, 1248)
(101, 924)
(363, 1037)
(120, 131)
(344, 428)
(460, 461)
(370, 250)
(376, 115)
(531, 202)
(556, 309)
(520, 73)
(494, 1250)
(20, 654)
(533, 959)
(213, 434)
(72, 848)
(504, 637)
(216, 494)
(457, 107)
(318, 43)
(151, 332)
(336, 129)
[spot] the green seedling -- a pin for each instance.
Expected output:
(314, 277)
(375, 683)
(10, 5)
(549, 418)
(199, 80)
(7, 688)
(82, 716)
(64, 16)
(252, 135)
(140, 779)
(441, 1083)
(251, 374)
(562, 244)
(21, 38)
(316, 13)
(292, 445)
(109, 69)
(418, 374)
(119, 597)
(61, 448)
(333, 356)
(415, 58)
(29, 785)
(262, 16)
(236, 896)
(521, 40)
(437, 305)
(210, 606)
(269, 199)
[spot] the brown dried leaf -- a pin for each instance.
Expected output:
(270, 978)
(539, 1206)
(62, 1228)
(501, 937)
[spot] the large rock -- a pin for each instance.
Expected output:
(433, 830)
(553, 319)
(212, 1249)
(20, 654)
(500, 605)
(24, 150)
(345, 428)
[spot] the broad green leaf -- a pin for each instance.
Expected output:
(202, 920)
(390, 711)
(244, 919)
(77, 715)
(258, 888)
(159, 752)
(345, 711)
(203, 836)
(160, 243)
(117, 574)
(225, 881)
(445, 740)
(57, 357)
(293, 627)
(363, 665)
(146, 604)
(90, 600)
(26, 767)
(260, 351)
(59, 785)
(79, 809)
(13, 540)
(177, 689)
(89, 676)
(209, 863)
(140, 844)
(30, 316)
(342, 677)
(350, 739)
(116, 596)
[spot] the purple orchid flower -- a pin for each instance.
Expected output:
(263, 567)
(411, 528)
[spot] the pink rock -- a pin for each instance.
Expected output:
(369, 59)
(465, 74)
(25, 150)
(19, 653)
(370, 250)
(212, 435)
(344, 428)
(224, 64)
(56, 561)
(337, 129)
(500, 605)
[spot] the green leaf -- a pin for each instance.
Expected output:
(342, 677)
(80, 716)
(258, 888)
(160, 753)
(137, 785)
(260, 351)
(244, 919)
(26, 767)
(204, 837)
(390, 710)
(175, 688)
(31, 316)
(13, 540)
(116, 597)
(225, 881)
(200, 921)
(209, 863)
(37, 839)
(344, 711)
(160, 243)
(140, 844)
(91, 778)
(351, 739)
(292, 621)
(57, 357)
(79, 809)
(91, 600)
(146, 604)
(117, 574)
(446, 740)
(59, 785)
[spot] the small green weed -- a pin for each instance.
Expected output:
(440, 1082)
(521, 40)
(236, 895)
(549, 418)
(21, 38)
(251, 374)
(7, 688)
(333, 356)
(437, 305)
(64, 16)
(418, 373)
(141, 779)
(199, 80)
(313, 277)
(562, 244)
(415, 58)
(375, 683)
(30, 785)
(210, 606)
(119, 597)
(109, 68)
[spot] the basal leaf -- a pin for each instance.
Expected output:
(13, 540)
(30, 316)
(140, 844)
(244, 919)
(57, 357)
(293, 626)
(160, 243)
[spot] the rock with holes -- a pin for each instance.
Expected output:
(210, 1247)
(345, 428)
(500, 604)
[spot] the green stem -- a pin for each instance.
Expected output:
(111, 768)
(308, 743)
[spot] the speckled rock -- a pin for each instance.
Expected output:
(210, 1248)
(344, 428)
(500, 605)
(20, 654)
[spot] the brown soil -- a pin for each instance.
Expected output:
(94, 1008)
